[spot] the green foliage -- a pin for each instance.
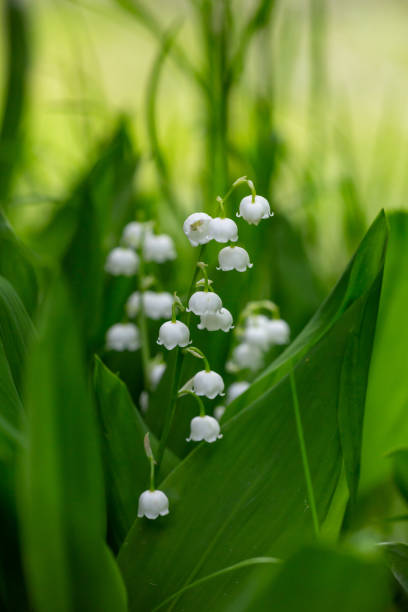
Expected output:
(260, 507)
(67, 562)
(317, 579)
(386, 425)
(126, 465)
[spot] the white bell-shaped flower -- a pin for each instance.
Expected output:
(257, 335)
(122, 262)
(158, 305)
(133, 233)
(233, 258)
(204, 302)
(278, 331)
(123, 337)
(253, 212)
(257, 320)
(223, 230)
(153, 504)
(209, 384)
(246, 356)
(219, 412)
(218, 320)
(144, 402)
(204, 428)
(174, 334)
(133, 305)
(196, 228)
(236, 389)
(158, 248)
(155, 374)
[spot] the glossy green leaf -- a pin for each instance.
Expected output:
(125, 463)
(356, 280)
(62, 509)
(245, 495)
(386, 423)
(16, 329)
(317, 580)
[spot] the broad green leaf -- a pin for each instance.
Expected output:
(319, 579)
(16, 266)
(386, 423)
(397, 557)
(125, 463)
(356, 280)
(245, 495)
(15, 329)
(62, 510)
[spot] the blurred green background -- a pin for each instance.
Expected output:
(331, 75)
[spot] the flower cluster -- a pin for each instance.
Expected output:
(256, 332)
(139, 244)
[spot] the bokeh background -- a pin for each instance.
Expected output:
(321, 84)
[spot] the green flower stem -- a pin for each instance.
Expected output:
(197, 398)
(193, 349)
(302, 444)
(174, 312)
(177, 373)
(240, 181)
(144, 336)
(171, 407)
(203, 267)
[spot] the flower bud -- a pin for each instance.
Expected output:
(156, 373)
(236, 389)
(209, 384)
(158, 248)
(133, 233)
(257, 335)
(204, 302)
(253, 212)
(204, 428)
(158, 305)
(122, 262)
(215, 321)
(144, 402)
(223, 230)
(133, 305)
(196, 228)
(174, 334)
(123, 337)
(153, 504)
(233, 258)
(219, 412)
(246, 356)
